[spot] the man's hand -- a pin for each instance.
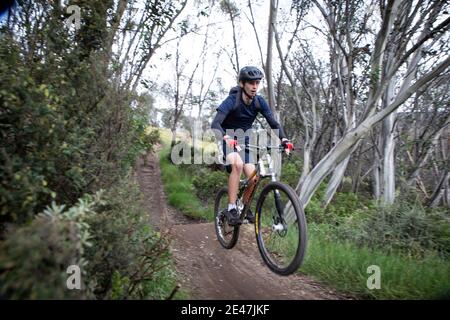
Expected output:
(231, 142)
(288, 146)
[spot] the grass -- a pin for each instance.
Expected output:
(180, 190)
(344, 266)
(178, 183)
(163, 288)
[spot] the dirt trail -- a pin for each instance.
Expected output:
(208, 271)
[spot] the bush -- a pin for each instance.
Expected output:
(120, 257)
(67, 130)
(38, 153)
(314, 211)
(34, 258)
(291, 170)
(207, 183)
(343, 205)
(62, 134)
(401, 226)
(128, 260)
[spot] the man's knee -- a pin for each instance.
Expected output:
(249, 169)
(236, 163)
(237, 166)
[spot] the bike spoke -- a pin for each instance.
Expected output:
(226, 234)
(279, 236)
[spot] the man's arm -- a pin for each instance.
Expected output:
(220, 132)
(217, 122)
(222, 112)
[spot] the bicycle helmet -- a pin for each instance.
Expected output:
(250, 73)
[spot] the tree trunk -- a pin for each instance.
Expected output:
(440, 190)
(276, 157)
(269, 79)
(388, 167)
(376, 173)
(356, 176)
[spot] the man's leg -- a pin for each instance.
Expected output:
(233, 181)
(249, 168)
(237, 165)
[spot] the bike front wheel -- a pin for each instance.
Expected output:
(226, 234)
(280, 228)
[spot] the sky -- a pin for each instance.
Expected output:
(4, 6)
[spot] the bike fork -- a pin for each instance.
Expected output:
(279, 224)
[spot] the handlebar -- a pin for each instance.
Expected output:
(267, 148)
(250, 146)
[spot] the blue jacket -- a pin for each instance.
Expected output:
(243, 116)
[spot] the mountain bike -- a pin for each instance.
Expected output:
(280, 223)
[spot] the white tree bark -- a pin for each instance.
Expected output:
(276, 157)
(440, 189)
(376, 174)
(344, 147)
(269, 56)
(388, 167)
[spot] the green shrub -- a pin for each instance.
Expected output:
(34, 258)
(128, 260)
(142, 141)
(119, 255)
(62, 134)
(291, 170)
(314, 211)
(343, 204)
(39, 155)
(402, 226)
(208, 183)
(67, 130)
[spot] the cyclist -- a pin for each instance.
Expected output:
(239, 111)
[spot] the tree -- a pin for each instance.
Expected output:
(417, 35)
(71, 117)
(230, 8)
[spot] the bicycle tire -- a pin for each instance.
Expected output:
(299, 223)
(221, 224)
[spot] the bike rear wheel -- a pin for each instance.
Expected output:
(281, 241)
(226, 234)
